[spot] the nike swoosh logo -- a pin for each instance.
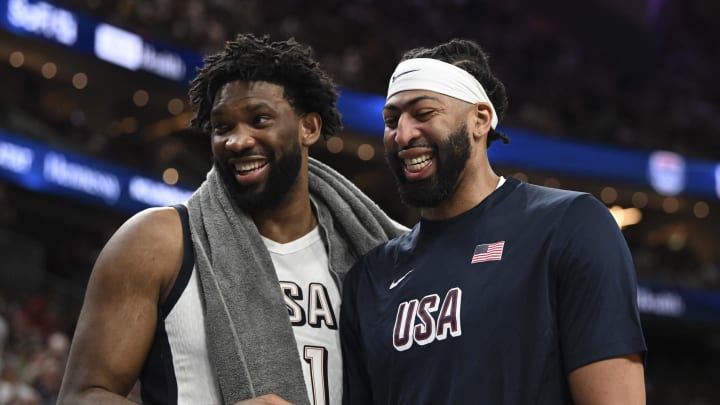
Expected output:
(403, 73)
(398, 281)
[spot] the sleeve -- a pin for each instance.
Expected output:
(356, 380)
(596, 287)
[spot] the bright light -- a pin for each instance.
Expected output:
(639, 199)
(366, 151)
(608, 195)
(335, 144)
(141, 98)
(79, 80)
(170, 176)
(175, 106)
(625, 216)
(701, 209)
(48, 70)
(671, 205)
(16, 59)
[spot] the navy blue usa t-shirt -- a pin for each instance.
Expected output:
(494, 306)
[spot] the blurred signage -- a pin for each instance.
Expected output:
(666, 171)
(154, 193)
(665, 303)
(37, 167)
(15, 158)
(40, 19)
(128, 50)
(59, 169)
(671, 302)
(118, 46)
(717, 180)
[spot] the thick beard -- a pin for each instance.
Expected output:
(261, 197)
(451, 157)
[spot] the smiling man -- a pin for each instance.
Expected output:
(504, 292)
(234, 296)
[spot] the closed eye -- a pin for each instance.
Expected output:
(424, 115)
(390, 121)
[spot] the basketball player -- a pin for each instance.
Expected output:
(504, 292)
(234, 296)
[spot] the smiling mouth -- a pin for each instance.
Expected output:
(418, 163)
(249, 167)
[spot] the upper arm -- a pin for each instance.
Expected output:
(615, 381)
(131, 276)
(597, 313)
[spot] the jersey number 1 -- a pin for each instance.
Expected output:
(316, 357)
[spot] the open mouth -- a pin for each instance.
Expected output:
(418, 163)
(243, 168)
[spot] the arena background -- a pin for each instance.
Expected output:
(619, 98)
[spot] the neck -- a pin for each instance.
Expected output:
(291, 219)
(287, 224)
(470, 191)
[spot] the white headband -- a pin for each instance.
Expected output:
(440, 77)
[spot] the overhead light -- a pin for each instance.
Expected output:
(334, 144)
(16, 59)
(141, 98)
(366, 151)
(79, 80)
(48, 70)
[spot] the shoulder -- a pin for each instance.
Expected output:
(148, 247)
(385, 254)
(537, 200)
(540, 197)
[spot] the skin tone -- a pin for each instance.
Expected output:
(417, 120)
(136, 269)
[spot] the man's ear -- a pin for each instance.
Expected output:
(310, 128)
(482, 117)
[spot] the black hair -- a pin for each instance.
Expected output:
(468, 55)
(307, 88)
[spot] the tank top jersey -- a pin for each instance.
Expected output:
(313, 300)
(177, 369)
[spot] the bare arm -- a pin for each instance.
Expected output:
(114, 333)
(616, 381)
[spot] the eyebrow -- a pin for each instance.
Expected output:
(409, 103)
(249, 107)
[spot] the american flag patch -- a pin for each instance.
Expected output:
(488, 252)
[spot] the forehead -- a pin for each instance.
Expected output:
(409, 98)
(243, 92)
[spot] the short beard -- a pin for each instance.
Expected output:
(451, 157)
(262, 197)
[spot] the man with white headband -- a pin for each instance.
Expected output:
(504, 293)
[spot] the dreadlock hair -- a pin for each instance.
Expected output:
(468, 55)
(307, 88)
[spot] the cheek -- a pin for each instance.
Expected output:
(389, 139)
(217, 145)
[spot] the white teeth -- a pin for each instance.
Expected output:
(418, 162)
(246, 167)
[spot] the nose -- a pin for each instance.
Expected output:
(238, 141)
(406, 130)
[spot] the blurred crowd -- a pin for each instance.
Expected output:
(34, 343)
(651, 84)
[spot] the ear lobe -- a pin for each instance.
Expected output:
(310, 128)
